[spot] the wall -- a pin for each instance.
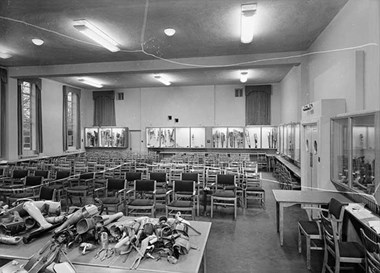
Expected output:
(210, 105)
(334, 74)
(51, 116)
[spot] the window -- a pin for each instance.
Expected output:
(71, 123)
(29, 117)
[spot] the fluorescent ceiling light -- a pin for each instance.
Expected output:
(247, 13)
(169, 31)
(91, 82)
(162, 79)
(5, 55)
(37, 42)
(243, 76)
(96, 34)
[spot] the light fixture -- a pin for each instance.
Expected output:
(96, 34)
(37, 41)
(169, 31)
(90, 82)
(5, 55)
(243, 76)
(162, 79)
(247, 13)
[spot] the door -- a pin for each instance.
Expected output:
(312, 154)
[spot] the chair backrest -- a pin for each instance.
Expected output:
(184, 186)
(132, 176)
(226, 180)
(62, 174)
(336, 210)
(115, 184)
(44, 174)
(19, 173)
(47, 193)
(191, 176)
(33, 181)
(372, 253)
(86, 176)
(331, 237)
(158, 176)
(145, 185)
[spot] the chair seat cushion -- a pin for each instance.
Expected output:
(310, 227)
(110, 200)
(351, 249)
(141, 202)
(181, 204)
(78, 188)
(224, 194)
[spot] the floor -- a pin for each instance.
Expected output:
(251, 244)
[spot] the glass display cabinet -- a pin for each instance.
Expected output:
(281, 139)
(198, 137)
(235, 137)
(106, 137)
(268, 137)
(167, 137)
(182, 137)
(153, 137)
(92, 136)
(253, 137)
(219, 137)
(354, 148)
(289, 141)
(297, 142)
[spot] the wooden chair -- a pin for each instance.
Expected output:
(343, 252)
(142, 198)
(112, 195)
(224, 193)
(82, 187)
(16, 177)
(311, 229)
(30, 189)
(253, 189)
(196, 177)
(161, 187)
(372, 253)
(132, 176)
(184, 198)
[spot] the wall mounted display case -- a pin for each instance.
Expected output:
(198, 137)
(289, 138)
(106, 137)
(250, 137)
(355, 141)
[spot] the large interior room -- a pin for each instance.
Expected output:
(189, 136)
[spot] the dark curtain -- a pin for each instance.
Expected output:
(104, 108)
(3, 82)
(39, 134)
(76, 92)
(258, 106)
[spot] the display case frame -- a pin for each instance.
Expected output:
(355, 140)
(106, 137)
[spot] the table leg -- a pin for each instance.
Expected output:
(204, 261)
(281, 223)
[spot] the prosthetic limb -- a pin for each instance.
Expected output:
(86, 211)
(33, 211)
(9, 240)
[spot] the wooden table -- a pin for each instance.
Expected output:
(286, 198)
(190, 262)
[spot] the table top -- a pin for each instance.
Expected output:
(308, 197)
(190, 262)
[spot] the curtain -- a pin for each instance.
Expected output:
(76, 92)
(3, 82)
(104, 108)
(19, 120)
(258, 106)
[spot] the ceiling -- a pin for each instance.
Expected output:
(206, 48)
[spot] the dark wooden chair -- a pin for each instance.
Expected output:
(141, 200)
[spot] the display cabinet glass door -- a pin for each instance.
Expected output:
(219, 137)
(153, 136)
(253, 137)
(363, 153)
(182, 137)
(119, 137)
(268, 137)
(297, 143)
(167, 137)
(198, 137)
(235, 138)
(340, 151)
(92, 137)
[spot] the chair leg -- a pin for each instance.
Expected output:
(166, 212)
(308, 252)
(325, 260)
(337, 265)
(299, 241)
(212, 207)
(235, 209)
